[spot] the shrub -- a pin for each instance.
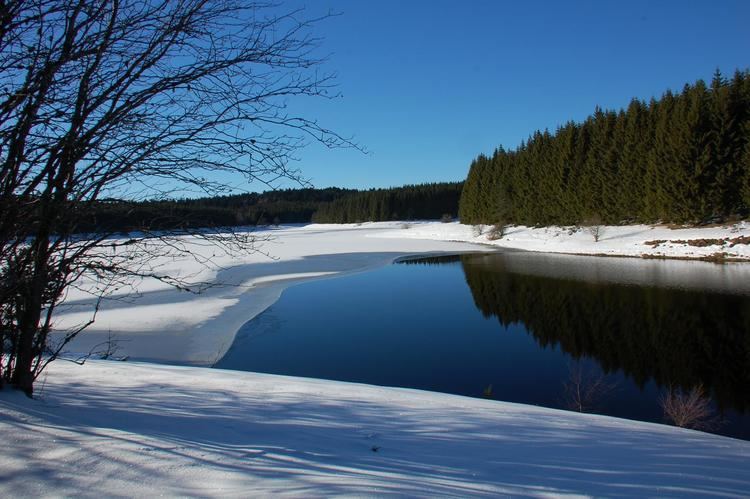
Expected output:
(497, 231)
(594, 226)
(446, 218)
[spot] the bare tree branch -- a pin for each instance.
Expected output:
(99, 98)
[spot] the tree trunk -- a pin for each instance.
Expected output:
(29, 314)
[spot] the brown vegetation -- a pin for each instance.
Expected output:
(702, 243)
(496, 232)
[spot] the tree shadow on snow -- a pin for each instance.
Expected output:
(299, 440)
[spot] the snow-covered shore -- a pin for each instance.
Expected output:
(731, 241)
(166, 325)
(135, 429)
(138, 430)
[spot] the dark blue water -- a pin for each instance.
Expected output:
(520, 328)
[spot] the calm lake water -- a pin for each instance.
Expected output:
(521, 327)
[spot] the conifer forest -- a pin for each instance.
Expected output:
(682, 158)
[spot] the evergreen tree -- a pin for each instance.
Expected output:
(681, 158)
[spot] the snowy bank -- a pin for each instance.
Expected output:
(158, 323)
(128, 429)
(650, 241)
(163, 324)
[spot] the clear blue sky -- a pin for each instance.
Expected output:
(428, 85)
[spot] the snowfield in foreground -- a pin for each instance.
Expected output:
(136, 429)
(128, 429)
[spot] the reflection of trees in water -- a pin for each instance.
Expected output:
(676, 337)
(430, 260)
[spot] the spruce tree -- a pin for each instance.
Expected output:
(680, 158)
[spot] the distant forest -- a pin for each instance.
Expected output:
(330, 205)
(426, 201)
(683, 158)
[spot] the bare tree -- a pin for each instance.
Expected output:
(594, 226)
(119, 98)
(689, 408)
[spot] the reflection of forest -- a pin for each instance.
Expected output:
(673, 336)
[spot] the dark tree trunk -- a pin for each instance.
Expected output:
(31, 304)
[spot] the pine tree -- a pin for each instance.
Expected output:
(681, 158)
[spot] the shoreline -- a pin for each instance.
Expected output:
(167, 326)
(164, 325)
(281, 285)
(626, 241)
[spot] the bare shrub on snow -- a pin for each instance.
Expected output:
(594, 226)
(496, 232)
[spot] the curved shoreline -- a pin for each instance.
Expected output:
(279, 286)
(172, 327)
(629, 241)
(164, 325)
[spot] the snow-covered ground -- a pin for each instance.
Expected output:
(164, 324)
(167, 325)
(111, 429)
(732, 240)
(131, 429)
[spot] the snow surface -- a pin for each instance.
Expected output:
(626, 240)
(135, 429)
(163, 324)
(121, 429)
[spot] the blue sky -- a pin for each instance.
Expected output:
(428, 85)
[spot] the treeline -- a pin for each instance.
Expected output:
(330, 205)
(411, 202)
(274, 207)
(682, 158)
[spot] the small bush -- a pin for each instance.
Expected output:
(406, 226)
(594, 226)
(496, 232)
(477, 230)
(446, 218)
